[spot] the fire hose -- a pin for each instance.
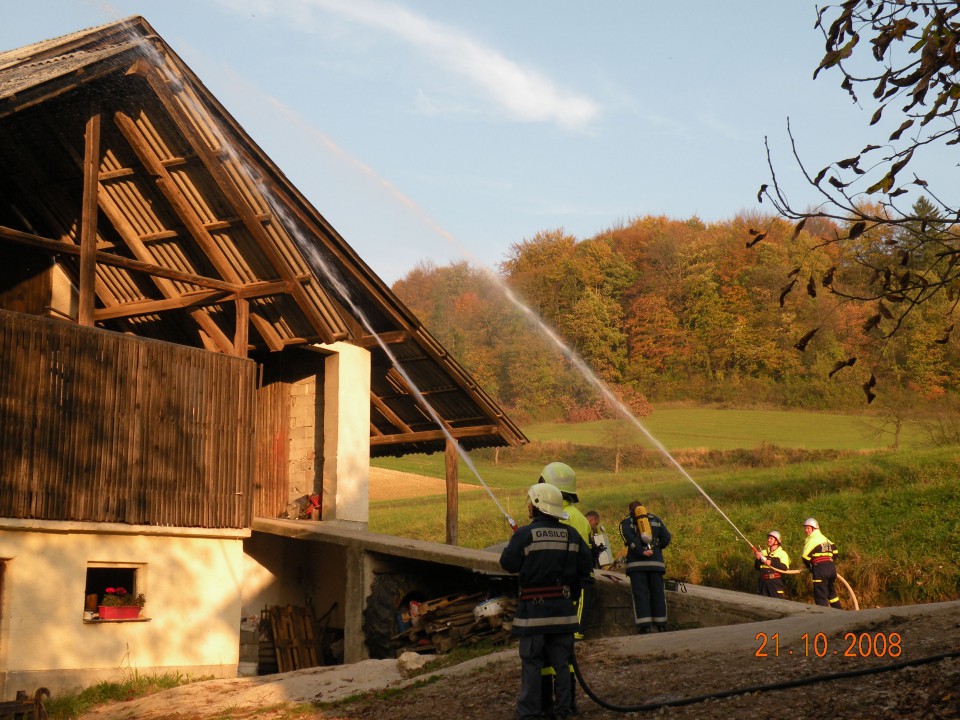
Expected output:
(798, 682)
(853, 596)
(649, 707)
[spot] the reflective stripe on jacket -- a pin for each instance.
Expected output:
(546, 554)
(636, 560)
(818, 548)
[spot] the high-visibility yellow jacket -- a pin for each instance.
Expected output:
(818, 548)
(577, 520)
(779, 560)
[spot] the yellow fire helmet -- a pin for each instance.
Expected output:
(561, 476)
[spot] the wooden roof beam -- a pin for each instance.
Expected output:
(65, 84)
(420, 401)
(253, 222)
(213, 333)
(43, 207)
(352, 263)
(58, 247)
(389, 414)
(88, 220)
(266, 331)
(387, 338)
(430, 435)
(152, 307)
(168, 188)
(194, 299)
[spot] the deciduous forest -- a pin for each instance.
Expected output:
(680, 310)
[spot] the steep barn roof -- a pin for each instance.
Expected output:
(200, 239)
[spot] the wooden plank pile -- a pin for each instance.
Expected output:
(23, 708)
(291, 637)
(441, 624)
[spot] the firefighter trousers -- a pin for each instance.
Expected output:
(825, 585)
(537, 652)
(649, 599)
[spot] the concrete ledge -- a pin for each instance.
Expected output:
(697, 606)
(709, 607)
(611, 612)
(339, 534)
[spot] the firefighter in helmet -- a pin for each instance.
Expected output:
(552, 561)
(770, 562)
(562, 477)
(645, 536)
(818, 555)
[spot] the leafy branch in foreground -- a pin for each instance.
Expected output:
(908, 56)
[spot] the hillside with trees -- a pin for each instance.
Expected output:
(679, 310)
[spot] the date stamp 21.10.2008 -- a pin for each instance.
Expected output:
(852, 645)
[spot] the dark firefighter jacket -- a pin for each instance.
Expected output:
(552, 561)
(636, 560)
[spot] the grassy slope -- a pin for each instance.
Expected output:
(727, 429)
(895, 516)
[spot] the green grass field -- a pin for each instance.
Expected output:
(678, 428)
(894, 515)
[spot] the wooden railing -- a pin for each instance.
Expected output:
(103, 427)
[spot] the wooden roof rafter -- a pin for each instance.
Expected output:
(201, 239)
(209, 327)
(447, 430)
(214, 164)
(395, 337)
(115, 58)
(434, 435)
(424, 339)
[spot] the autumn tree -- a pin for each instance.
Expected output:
(900, 60)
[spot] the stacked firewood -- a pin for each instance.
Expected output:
(441, 624)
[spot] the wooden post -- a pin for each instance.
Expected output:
(88, 221)
(241, 333)
(453, 499)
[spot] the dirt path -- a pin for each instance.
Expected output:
(397, 485)
(630, 671)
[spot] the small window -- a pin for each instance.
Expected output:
(118, 586)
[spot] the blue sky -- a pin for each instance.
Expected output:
(439, 130)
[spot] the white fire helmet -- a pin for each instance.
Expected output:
(812, 522)
(775, 534)
(562, 476)
(548, 500)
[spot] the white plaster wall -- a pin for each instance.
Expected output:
(279, 570)
(192, 585)
(346, 446)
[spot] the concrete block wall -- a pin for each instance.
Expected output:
(305, 464)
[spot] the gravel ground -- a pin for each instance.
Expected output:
(632, 671)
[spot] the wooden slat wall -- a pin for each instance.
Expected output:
(102, 427)
(273, 449)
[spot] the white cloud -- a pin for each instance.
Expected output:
(526, 94)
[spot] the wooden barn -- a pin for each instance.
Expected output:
(186, 348)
